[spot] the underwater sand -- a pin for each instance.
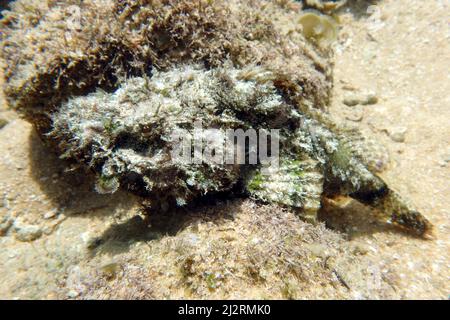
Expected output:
(93, 246)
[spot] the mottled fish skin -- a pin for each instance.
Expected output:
(318, 158)
(346, 173)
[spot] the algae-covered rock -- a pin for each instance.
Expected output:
(75, 47)
(326, 6)
(116, 86)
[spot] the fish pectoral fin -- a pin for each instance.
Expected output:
(296, 184)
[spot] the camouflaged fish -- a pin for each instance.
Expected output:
(108, 91)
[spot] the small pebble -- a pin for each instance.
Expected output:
(348, 87)
(26, 233)
(50, 214)
(398, 135)
(351, 101)
(355, 99)
(370, 99)
(354, 115)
